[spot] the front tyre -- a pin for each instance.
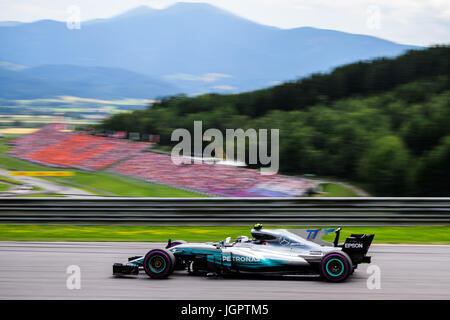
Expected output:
(159, 263)
(336, 267)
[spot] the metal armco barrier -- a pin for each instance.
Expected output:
(226, 211)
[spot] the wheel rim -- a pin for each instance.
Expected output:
(157, 264)
(335, 267)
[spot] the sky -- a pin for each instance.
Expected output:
(416, 22)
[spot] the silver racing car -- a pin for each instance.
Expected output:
(270, 251)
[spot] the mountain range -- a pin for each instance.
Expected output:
(48, 81)
(188, 47)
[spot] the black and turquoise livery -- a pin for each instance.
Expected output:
(270, 251)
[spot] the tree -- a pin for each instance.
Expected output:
(385, 166)
(433, 173)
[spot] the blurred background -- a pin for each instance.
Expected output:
(91, 91)
(361, 97)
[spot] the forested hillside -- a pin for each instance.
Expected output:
(384, 123)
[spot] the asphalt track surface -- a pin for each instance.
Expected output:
(47, 186)
(37, 270)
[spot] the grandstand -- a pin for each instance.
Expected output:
(54, 147)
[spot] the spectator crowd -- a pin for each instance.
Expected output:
(53, 146)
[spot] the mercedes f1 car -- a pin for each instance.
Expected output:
(271, 251)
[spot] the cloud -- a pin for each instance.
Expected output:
(206, 77)
(224, 87)
(11, 66)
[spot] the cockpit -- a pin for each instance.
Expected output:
(279, 236)
(282, 237)
(268, 237)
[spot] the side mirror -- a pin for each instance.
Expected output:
(227, 240)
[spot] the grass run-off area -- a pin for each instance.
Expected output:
(4, 187)
(336, 190)
(9, 180)
(391, 235)
(98, 183)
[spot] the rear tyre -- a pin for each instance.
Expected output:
(336, 267)
(159, 263)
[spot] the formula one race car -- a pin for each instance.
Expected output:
(271, 251)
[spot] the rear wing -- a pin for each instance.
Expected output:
(357, 246)
(315, 235)
(358, 242)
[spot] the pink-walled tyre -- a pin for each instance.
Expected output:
(159, 263)
(336, 267)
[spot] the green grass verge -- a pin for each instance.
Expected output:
(99, 183)
(4, 187)
(393, 235)
(336, 190)
(124, 186)
(43, 195)
(9, 180)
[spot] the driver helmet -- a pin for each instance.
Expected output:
(258, 226)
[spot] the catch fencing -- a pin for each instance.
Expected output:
(373, 211)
